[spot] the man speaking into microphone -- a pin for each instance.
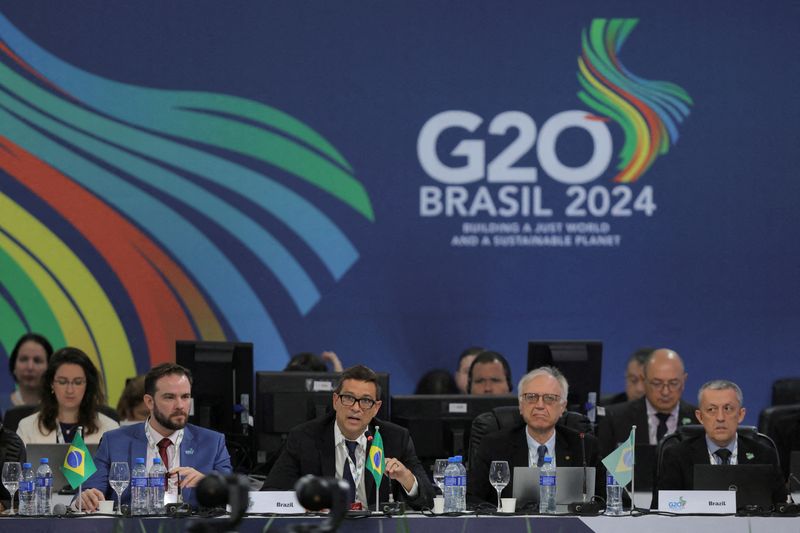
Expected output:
(188, 452)
(337, 445)
(542, 401)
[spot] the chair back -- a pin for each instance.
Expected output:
(786, 391)
(15, 414)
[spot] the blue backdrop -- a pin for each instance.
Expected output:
(669, 130)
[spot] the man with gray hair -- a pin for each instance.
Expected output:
(542, 401)
(720, 411)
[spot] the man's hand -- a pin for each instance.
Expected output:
(397, 470)
(90, 499)
(331, 357)
(189, 476)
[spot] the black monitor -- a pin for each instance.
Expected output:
(440, 424)
(752, 482)
(222, 387)
(580, 361)
(286, 399)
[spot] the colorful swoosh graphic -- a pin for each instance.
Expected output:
(131, 217)
(647, 111)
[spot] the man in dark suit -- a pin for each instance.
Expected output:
(542, 400)
(658, 413)
(337, 445)
(720, 412)
(634, 379)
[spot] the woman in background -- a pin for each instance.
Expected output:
(131, 407)
(27, 364)
(71, 393)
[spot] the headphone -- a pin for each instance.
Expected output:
(489, 357)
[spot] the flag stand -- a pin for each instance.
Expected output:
(378, 485)
(633, 471)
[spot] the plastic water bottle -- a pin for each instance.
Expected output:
(157, 476)
(139, 482)
(547, 487)
(27, 491)
(44, 488)
(462, 485)
(613, 497)
(452, 477)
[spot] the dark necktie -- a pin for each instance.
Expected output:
(541, 451)
(725, 456)
(661, 430)
(163, 444)
(347, 474)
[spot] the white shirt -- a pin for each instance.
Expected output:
(173, 455)
(341, 455)
(533, 448)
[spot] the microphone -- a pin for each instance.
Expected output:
(584, 507)
(59, 509)
(583, 459)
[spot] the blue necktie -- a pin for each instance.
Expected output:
(541, 451)
(347, 474)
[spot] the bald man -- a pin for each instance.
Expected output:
(658, 413)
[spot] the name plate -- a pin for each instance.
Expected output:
(277, 502)
(697, 501)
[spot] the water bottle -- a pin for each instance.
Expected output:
(452, 477)
(27, 491)
(157, 485)
(547, 487)
(613, 497)
(462, 485)
(44, 488)
(139, 482)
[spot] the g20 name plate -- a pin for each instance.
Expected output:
(697, 501)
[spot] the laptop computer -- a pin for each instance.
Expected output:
(752, 483)
(569, 485)
(55, 454)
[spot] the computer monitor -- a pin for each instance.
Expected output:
(752, 482)
(286, 399)
(222, 387)
(440, 424)
(580, 361)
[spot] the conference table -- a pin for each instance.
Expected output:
(420, 524)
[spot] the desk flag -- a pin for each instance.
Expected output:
(78, 465)
(376, 463)
(620, 462)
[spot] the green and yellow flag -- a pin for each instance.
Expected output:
(376, 463)
(620, 462)
(78, 465)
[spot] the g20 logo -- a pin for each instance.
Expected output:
(514, 195)
(501, 168)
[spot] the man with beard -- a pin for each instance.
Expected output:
(187, 451)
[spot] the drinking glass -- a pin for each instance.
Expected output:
(499, 476)
(438, 473)
(12, 474)
(119, 477)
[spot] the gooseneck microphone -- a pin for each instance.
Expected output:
(583, 458)
(59, 509)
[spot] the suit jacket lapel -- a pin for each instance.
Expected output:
(642, 425)
(325, 448)
(188, 448)
(138, 446)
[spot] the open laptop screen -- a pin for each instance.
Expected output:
(752, 483)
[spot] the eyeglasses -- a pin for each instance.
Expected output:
(349, 400)
(673, 384)
(64, 382)
(727, 409)
(532, 397)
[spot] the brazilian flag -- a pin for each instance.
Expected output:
(78, 465)
(376, 463)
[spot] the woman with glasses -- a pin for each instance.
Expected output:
(71, 394)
